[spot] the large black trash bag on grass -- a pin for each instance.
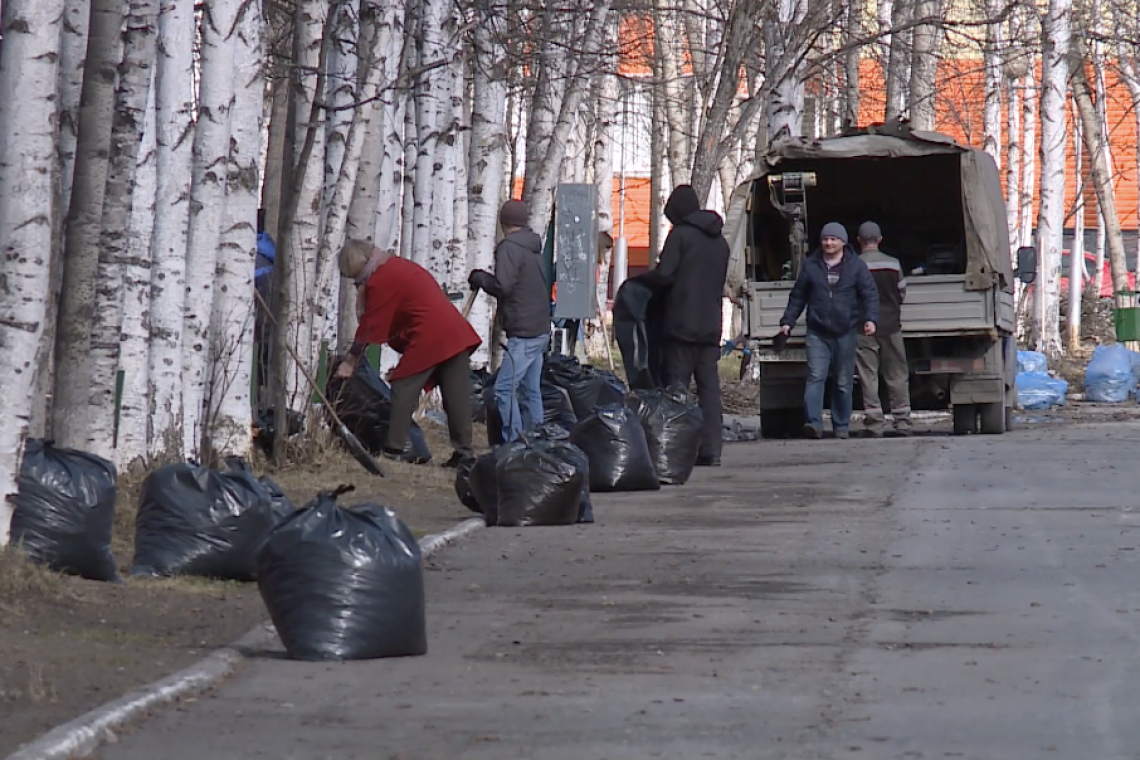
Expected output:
(364, 404)
(672, 421)
(556, 409)
(196, 521)
(65, 510)
(344, 583)
(614, 442)
(588, 388)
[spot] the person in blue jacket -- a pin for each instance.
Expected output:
(837, 289)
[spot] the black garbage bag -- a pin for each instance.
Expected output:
(555, 432)
(588, 388)
(463, 485)
(614, 442)
(196, 521)
(637, 330)
(484, 487)
(364, 404)
(264, 430)
(672, 421)
(344, 583)
(540, 483)
(556, 409)
(737, 433)
(282, 507)
(65, 510)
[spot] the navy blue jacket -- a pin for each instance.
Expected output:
(833, 311)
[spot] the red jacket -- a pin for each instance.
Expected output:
(405, 308)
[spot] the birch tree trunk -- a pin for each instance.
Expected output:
(786, 88)
(606, 105)
(678, 115)
(1126, 59)
(540, 197)
(884, 10)
(340, 86)
(1029, 152)
(488, 148)
(430, 94)
(135, 74)
(407, 196)
(1077, 249)
(899, 64)
(443, 178)
(207, 200)
(229, 406)
(851, 59)
(29, 69)
(924, 70)
(174, 112)
(1096, 142)
(1013, 162)
(991, 128)
(85, 219)
(460, 114)
(298, 326)
(131, 449)
(1099, 64)
(1051, 217)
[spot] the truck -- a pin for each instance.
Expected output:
(941, 209)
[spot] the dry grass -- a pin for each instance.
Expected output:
(22, 581)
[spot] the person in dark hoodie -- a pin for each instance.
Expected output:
(519, 283)
(839, 293)
(689, 277)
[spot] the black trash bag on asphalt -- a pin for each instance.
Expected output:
(539, 483)
(364, 404)
(344, 583)
(554, 432)
(614, 442)
(484, 486)
(588, 388)
(196, 521)
(463, 485)
(672, 421)
(556, 409)
(65, 510)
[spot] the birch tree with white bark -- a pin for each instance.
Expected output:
(212, 135)
(131, 100)
(29, 71)
(71, 399)
(924, 67)
(785, 76)
(174, 116)
(1057, 34)
(992, 115)
(229, 410)
(1128, 66)
(488, 148)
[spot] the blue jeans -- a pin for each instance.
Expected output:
(518, 387)
(834, 358)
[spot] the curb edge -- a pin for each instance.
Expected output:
(83, 735)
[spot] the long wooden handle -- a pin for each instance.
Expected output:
(297, 360)
(466, 311)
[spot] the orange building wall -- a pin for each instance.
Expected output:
(960, 107)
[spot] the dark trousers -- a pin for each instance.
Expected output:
(685, 361)
(453, 378)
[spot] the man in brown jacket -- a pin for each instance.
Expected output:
(883, 353)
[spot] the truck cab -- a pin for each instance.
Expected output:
(941, 210)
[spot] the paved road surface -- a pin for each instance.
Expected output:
(930, 598)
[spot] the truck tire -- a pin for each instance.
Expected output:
(993, 418)
(1008, 418)
(965, 419)
(781, 423)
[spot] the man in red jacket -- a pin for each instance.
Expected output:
(401, 304)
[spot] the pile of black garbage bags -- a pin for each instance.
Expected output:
(339, 582)
(596, 436)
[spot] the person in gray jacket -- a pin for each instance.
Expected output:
(519, 283)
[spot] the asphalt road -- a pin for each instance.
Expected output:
(926, 598)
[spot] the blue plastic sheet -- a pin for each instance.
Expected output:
(1031, 361)
(1038, 390)
(1112, 375)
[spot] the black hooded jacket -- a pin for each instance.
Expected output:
(691, 272)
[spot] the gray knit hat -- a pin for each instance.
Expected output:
(514, 214)
(835, 230)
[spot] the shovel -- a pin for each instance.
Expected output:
(355, 447)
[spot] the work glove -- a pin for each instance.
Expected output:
(478, 278)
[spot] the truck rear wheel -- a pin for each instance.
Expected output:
(965, 419)
(993, 418)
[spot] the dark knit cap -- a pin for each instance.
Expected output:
(835, 230)
(514, 214)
